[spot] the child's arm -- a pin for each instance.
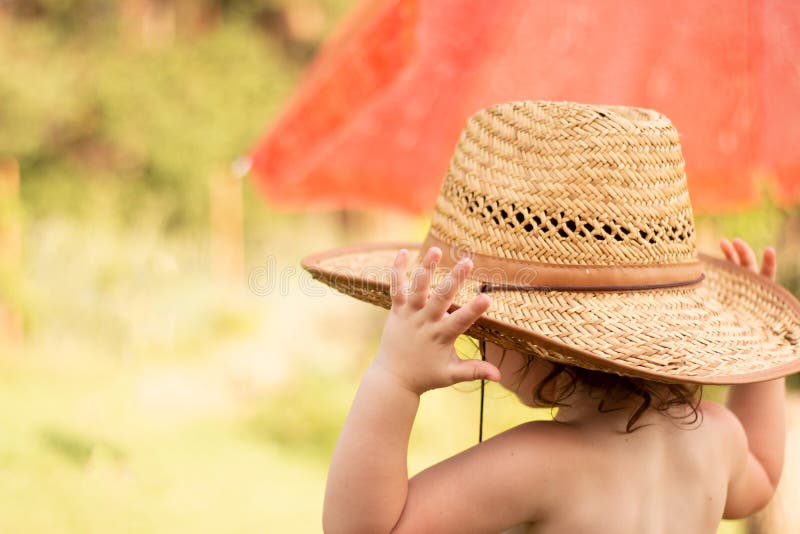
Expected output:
(760, 410)
(368, 480)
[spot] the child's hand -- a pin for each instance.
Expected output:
(417, 342)
(740, 253)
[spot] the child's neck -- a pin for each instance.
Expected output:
(582, 409)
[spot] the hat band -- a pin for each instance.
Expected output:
(498, 274)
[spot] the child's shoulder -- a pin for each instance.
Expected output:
(727, 428)
(544, 432)
(720, 419)
(564, 445)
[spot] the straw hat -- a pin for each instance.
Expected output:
(578, 221)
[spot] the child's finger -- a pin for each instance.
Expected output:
(398, 284)
(418, 294)
(769, 265)
(747, 258)
(728, 250)
(466, 370)
(461, 319)
(442, 296)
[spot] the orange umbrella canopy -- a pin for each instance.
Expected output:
(375, 120)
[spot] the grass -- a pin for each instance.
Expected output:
(117, 448)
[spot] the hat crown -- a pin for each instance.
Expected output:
(567, 183)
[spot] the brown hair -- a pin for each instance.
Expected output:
(614, 389)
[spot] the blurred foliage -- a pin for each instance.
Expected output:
(125, 408)
(101, 118)
(764, 224)
(77, 447)
(303, 416)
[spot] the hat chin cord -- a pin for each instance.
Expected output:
(482, 345)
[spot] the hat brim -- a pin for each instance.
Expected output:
(735, 327)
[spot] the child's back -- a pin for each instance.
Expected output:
(661, 478)
(584, 473)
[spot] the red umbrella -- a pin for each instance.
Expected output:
(376, 119)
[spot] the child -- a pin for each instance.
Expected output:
(617, 338)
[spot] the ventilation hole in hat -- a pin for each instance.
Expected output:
(649, 238)
(522, 219)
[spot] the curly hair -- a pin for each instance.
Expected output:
(563, 380)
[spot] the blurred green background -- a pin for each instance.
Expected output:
(147, 392)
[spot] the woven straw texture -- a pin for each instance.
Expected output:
(576, 185)
(568, 183)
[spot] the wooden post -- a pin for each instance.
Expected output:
(10, 254)
(782, 516)
(227, 234)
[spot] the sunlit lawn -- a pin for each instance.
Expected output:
(85, 451)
